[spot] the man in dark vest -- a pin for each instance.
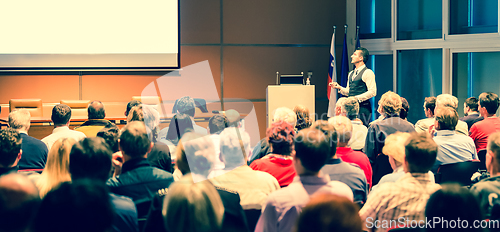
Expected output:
(361, 84)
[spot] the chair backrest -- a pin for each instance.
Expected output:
(153, 101)
(460, 172)
(252, 217)
(78, 107)
(482, 159)
(34, 106)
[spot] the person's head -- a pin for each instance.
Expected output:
(421, 152)
(160, 157)
(180, 124)
(470, 105)
(150, 116)
(57, 167)
(192, 207)
(493, 154)
(195, 154)
(330, 132)
(446, 118)
(350, 108)
(395, 148)
(286, 115)
(134, 141)
(19, 201)
(186, 105)
(61, 114)
(234, 147)
(429, 106)
(217, 124)
(135, 114)
(488, 103)
(328, 212)
(303, 119)
(312, 150)
(90, 158)
(110, 135)
(280, 137)
(390, 104)
(96, 110)
(20, 120)
(343, 127)
(338, 106)
(10, 147)
(233, 117)
(80, 206)
(360, 55)
(446, 100)
(405, 107)
(451, 203)
(131, 104)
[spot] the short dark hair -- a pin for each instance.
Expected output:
(489, 101)
(80, 206)
(329, 131)
(10, 146)
(186, 105)
(312, 149)
(90, 158)
(280, 137)
(430, 103)
(61, 114)
(472, 103)
(110, 135)
(96, 110)
(217, 123)
(134, 140)
(180, 124)
(131, 104)
(403, 113)
(421, 152)
(364, 53)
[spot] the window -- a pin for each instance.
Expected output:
(473, 16)
(419, 19)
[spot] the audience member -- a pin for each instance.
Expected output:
(336, 169)
(281, 114)
(479, 132)
(131, 104)
(279, 163)
(110, 135)
(61, 114)
(338, 106)
(424, 124)
(19, 201)
(487, 190)
(180, 124)
(471, 112)
(91, 159)
(57, 169)
(303, 118)
(327, 213)
(96, 121)
(448, 100)
(343, 127)
(452, 147)
(34, 151)
(350, 109)
(184, 105)
(10, 150)
(80, 206)
(252, 186)
(453, 203)
(283, 206)
(216, 124)
(233, 118)
(405, 108)
(389, 106)
(406, 198)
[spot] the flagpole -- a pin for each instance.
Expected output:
(357, 35)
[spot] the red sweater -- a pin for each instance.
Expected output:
(349, 155)
(480, 131)
(281, 169)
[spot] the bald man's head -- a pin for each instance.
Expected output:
(96, 110)
(233, 117)
(19, 200)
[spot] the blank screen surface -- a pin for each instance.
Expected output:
(89, 34)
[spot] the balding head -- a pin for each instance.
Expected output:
(343, 127)
(233, 117)
(284, 114)
(134, 141)
(446, 100)
(96, 110)
(19, 200)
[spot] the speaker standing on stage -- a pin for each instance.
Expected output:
(361, 84)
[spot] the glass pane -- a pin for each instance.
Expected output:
(473, 16)
(419, 76)
(473, 74)
(382, 66)
(419, 19)
(374, 18)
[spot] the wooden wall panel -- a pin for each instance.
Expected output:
(200, 21)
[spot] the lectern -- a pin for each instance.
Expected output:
(289, 96)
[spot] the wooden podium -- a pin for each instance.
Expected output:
(289, 96)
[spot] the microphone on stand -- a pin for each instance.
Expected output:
(218, 112)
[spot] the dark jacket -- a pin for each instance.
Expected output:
(35, 153)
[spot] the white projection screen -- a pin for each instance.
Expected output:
(89, 35)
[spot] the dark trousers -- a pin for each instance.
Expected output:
(365, 112)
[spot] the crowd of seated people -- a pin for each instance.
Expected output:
(305, 175)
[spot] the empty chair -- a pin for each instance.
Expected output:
(460, 172)
(78, 108)
(34, 106)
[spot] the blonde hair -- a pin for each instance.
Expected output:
(343, 127)
(286, 115)
(395, 146)
(446, 100)
(57, 169)
(390, 103)
(192, 207)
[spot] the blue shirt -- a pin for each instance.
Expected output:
(453, 148)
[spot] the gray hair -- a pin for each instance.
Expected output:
(343, 127)
(447, 100)
(19, 119)
(350, 108)
(285, 114)
(340, 102)
(232, 141)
